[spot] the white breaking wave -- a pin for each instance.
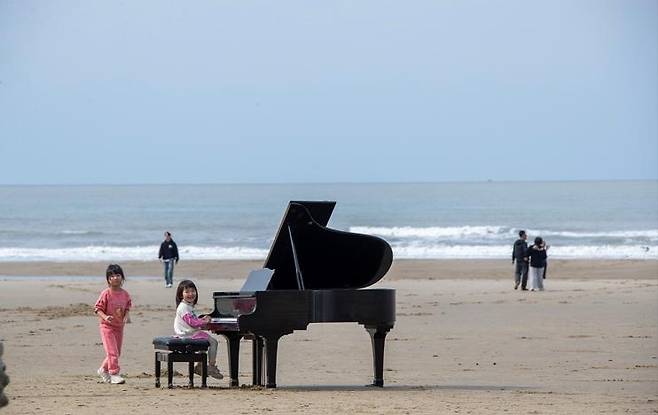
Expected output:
(408, 251)
(135, 253)
(491, 232)
(649, 234)
(77, 232)
(436, 231)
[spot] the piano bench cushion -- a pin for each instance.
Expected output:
(180, 344)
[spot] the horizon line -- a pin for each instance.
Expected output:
(321, 182)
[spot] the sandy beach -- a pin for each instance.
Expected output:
(464, 342)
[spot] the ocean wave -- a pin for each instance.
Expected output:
(493, 232)
(648, 234)
(400, 251)
(79, 232)
(436, 231)
(135, 253)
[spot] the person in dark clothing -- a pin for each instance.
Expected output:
(545, 261)
(520, 258)
(168, 256)
(537, 255)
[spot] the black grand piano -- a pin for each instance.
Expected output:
(317, 277)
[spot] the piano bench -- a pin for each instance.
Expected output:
(172, 349)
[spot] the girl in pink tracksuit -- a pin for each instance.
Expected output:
(112, 310)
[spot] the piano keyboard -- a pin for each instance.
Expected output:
(224, 320)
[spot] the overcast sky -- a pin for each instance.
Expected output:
(333, 91)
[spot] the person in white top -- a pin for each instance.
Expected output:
(188, 325)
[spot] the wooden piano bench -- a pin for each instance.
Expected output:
(172, 349)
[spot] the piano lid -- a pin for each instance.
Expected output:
(325, 258)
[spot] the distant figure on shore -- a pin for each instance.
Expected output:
(537, 255)
(546, 262)
(112, 308)
(168, 256)
(520, 257)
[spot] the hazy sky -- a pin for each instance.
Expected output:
(333, 91)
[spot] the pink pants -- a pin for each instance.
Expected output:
(112, 339)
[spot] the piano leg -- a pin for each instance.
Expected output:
(271, 345)
(157, 371)
(233, 346)
(377, 338)
(257, 361)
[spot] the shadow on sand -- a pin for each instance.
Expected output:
(390, 388)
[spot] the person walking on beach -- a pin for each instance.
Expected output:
(520, 259)
(537, 255)
(168, 256)
(112, 309)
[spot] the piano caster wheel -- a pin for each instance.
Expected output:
(377, 384)
(157, 383)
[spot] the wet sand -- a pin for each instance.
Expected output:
(401, 269)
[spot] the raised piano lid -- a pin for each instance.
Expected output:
(327, 258)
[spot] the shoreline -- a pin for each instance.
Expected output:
(441, 269)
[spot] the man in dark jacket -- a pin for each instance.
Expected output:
(520, 257)
(169, 256)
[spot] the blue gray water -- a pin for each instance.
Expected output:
(429, 220)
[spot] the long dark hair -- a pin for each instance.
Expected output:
(114, 269)
(181, 287)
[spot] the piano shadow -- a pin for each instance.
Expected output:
(369, 388)
(403, 388)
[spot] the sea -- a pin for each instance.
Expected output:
(578, 219)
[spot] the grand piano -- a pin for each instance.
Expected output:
(318, 276)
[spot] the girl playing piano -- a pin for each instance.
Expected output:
(188, 324)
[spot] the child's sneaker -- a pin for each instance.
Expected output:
(117, 379)
(214, 372)
(104, 375)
